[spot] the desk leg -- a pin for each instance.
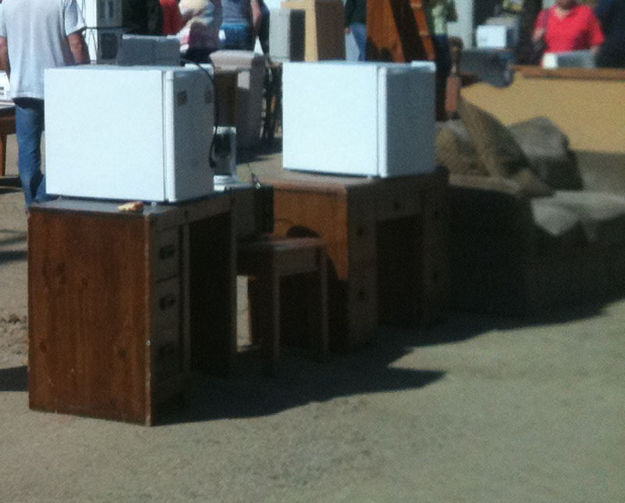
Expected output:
(3, 153)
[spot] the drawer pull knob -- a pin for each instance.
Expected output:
(361, 231)
(362, 294)
(167, 251)
(397, 205)
(167, 302)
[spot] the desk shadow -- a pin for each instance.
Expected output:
(12, 256)
(11, 237)
(461, 325)
(247, 393)
(14, 379)
(10, 183)
(9, 190)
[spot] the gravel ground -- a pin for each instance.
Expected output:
(475, 409)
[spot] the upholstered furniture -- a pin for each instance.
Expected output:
(529, 231)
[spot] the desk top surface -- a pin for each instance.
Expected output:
(320, 182)
(217, 201)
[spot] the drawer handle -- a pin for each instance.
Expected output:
(397, 205)
(361, 231)
(167, 251)
(167, 302)
(362, 295)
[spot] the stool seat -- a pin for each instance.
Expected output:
(270, 259)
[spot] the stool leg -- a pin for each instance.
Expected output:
(269, 320)
(318, 308)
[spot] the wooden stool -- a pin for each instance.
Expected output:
(270, 259)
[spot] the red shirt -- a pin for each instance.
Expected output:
(578, 30)
(172, 19)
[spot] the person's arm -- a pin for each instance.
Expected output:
(78, 47)
(257, 16)
(4, 56)
(540, 27)
(596, 34)
(349, 11)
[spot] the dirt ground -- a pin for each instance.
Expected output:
(474, 409)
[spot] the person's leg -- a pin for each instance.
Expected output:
(263, 34)
(29, 123)
(359, 30)
(443, 67)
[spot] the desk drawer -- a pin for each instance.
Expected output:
(361, 237)
(398, 204)
(167, 354)
(167, 305)
(166, 254)
(362, 304)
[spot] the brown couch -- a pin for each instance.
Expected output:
(529, 232)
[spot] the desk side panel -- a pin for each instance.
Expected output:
(88, 299)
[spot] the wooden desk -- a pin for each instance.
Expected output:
(387, 244)
(123, 305)
(7, 127)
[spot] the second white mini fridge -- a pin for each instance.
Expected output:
(364, 119)
(129, 133)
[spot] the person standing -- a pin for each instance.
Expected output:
(611, 14)
(200, 35)
(568, 26)
(35, 35)
(241, 23)
(440, 13)
(356, 24)
(172, 17)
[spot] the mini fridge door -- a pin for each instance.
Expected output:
(364, 119)
(330, 120)
(130, 133)
(104, 133)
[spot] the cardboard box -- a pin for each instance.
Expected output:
(492, 36)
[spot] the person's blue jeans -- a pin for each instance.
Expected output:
(29, 124)
(359, 30)
(238, 36)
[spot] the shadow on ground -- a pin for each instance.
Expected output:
(9, 182)
(12, 256)
(14, 379)
(247, 393)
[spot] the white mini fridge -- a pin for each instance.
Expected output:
(364, 119)
(128, 133)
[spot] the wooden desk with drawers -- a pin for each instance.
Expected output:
(387, 245)
(122, 306)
